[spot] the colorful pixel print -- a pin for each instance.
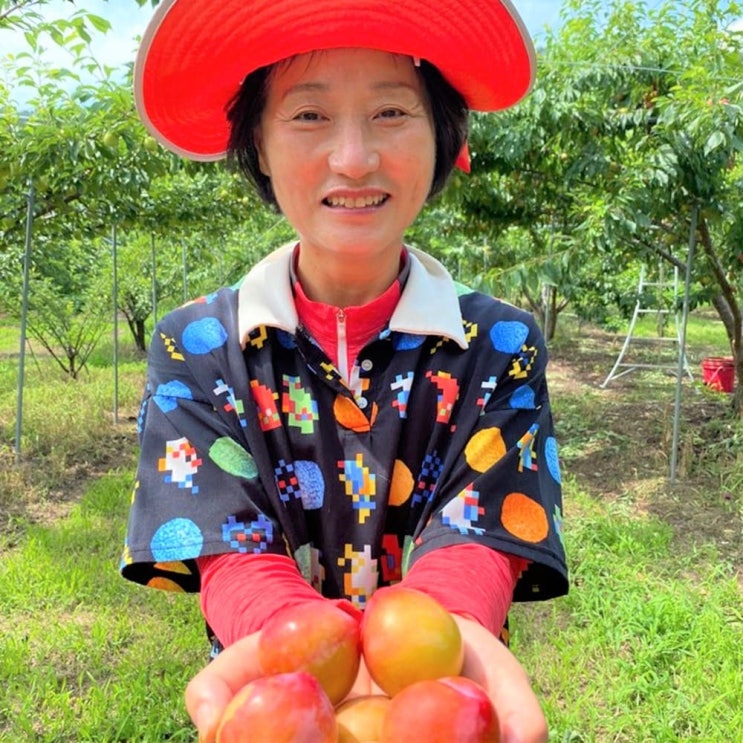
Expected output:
(180, 464)
(464, 511)
(297, 404)
(360, 485)
(360, 574)
(252, 537)
(258, 446)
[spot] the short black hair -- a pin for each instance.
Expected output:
(448, 110)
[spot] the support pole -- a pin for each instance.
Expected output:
(114, 250)
(154, 277)
(24, 323)
(682, 343)
(184, 260)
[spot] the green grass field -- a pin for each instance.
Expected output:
(83, 655)
(647, 647)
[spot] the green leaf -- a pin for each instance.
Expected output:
(99, 23)
(716, 140)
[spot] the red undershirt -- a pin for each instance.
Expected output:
(239, 592)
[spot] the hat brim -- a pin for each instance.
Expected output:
(195, 54)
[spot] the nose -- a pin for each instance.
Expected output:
(354, 152)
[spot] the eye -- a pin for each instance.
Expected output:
(308, 116)
(391, 113)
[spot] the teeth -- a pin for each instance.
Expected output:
(358, 203)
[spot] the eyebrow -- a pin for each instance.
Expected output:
(314, 87)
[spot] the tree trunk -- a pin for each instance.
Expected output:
(726, 315)
(738, 393)
(730, 313)
(137, 329)
(140, 338)
(549, 313)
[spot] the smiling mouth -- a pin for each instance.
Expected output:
(357, 202)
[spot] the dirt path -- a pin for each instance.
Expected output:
(628, 430)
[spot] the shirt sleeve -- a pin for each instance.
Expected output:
(197, 489)
(470, 580)
(240, 593)
(500, 484)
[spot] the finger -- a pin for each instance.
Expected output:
(364, 685)
(210, 690)
(491, 664)
(521, 717)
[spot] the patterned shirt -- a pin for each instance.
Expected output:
(252, 442)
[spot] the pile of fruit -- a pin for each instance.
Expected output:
(310, 657)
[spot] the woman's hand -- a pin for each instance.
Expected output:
(210, 691)
(492, 665)
(486, 661)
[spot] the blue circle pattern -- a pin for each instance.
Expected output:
(523, 398)
(204, 336)
(167, 395)
(553, 461)
(286, 339)
(311, 483)
(508, 337)
(408, 341)
(177, 539)
(181, 538)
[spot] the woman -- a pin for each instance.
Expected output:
(346, 417)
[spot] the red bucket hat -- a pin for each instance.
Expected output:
(195, 54)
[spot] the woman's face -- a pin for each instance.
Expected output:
(347, 139)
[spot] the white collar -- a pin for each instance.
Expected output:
(429, 304)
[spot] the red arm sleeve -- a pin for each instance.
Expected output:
(469, 579)
(240, 592)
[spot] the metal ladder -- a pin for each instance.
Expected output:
(658, 286)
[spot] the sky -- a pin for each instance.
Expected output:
(128, 21)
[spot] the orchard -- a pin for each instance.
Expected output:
(634, 126)
(625, 155)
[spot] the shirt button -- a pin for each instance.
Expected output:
(362, 402)
(367, 365)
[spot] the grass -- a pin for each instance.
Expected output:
(705, 334)
(68, 430)
(646, 647)
(83, 655)
(10, 335)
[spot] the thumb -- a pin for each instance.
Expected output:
(211, 690)
(491, 664)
